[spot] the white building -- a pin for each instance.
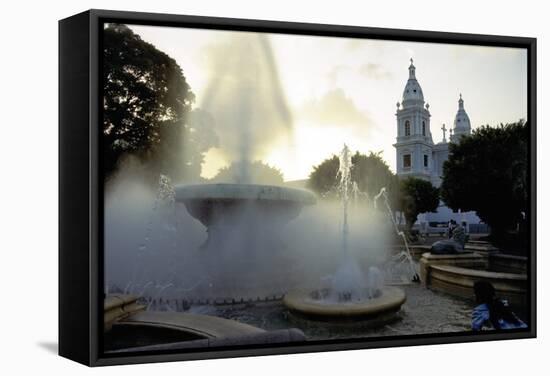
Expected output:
(417, 154)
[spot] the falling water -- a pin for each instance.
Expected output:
(402, 260)
(345, 189)
(161, 228)
(348, 283)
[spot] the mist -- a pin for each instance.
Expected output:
(155, 249)
(245, 97)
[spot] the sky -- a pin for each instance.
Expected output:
(333, 90)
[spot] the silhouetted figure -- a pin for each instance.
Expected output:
(491, 312)
(450, 228)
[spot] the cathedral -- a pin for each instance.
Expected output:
(416, 153)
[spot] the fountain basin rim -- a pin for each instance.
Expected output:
(232, 191)
(477, 273)
(391, 300)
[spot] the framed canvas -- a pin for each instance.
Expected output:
(234, 187)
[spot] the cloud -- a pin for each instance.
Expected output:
(374, 71)
(335, 72)
(334, 108)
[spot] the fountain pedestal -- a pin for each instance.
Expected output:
(244, 252)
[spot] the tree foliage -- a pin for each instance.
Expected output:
(487, 172)
(145, 104)
(255, 172)
(369, 172)
(416, 196)
(323, 178)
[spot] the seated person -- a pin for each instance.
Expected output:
(491, 312)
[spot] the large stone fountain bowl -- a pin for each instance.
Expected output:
(221, 203)
(387, 303)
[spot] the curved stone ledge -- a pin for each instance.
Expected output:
(282, 336)
(469, 260)
(200, 325)
(118, 307)
(243, 192)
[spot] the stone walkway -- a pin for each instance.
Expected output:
(424, 312)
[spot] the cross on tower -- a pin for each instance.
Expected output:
(444, 129)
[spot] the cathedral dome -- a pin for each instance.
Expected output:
(412, 94)
(462, 120)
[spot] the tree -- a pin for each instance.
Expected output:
(323, 178)
(255, 172)
(487, 172)
(369, 172)
(145, 103)
(417, 196)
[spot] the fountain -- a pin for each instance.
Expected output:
(350, 295)
(154, 321)
(244, 253)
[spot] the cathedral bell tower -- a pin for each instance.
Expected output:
(414, 143)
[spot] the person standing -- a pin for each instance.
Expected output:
(451, 227)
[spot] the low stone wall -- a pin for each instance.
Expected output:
(184, 303)
(466, 260)
(480, 247)
(507, 263)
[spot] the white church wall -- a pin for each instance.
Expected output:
(418, 144)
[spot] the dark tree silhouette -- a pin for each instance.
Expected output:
(323, 178)
(416, 196)
(487, 172)
(370, 172)
(146, 100)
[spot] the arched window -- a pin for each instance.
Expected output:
(423, 128)
(407, 128)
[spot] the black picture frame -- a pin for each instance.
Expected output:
(81, 190)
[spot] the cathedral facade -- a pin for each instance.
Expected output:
(416, 153)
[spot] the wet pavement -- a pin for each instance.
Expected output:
(424, 312)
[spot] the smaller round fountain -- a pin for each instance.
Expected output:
(351, 294)
(319, 304)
